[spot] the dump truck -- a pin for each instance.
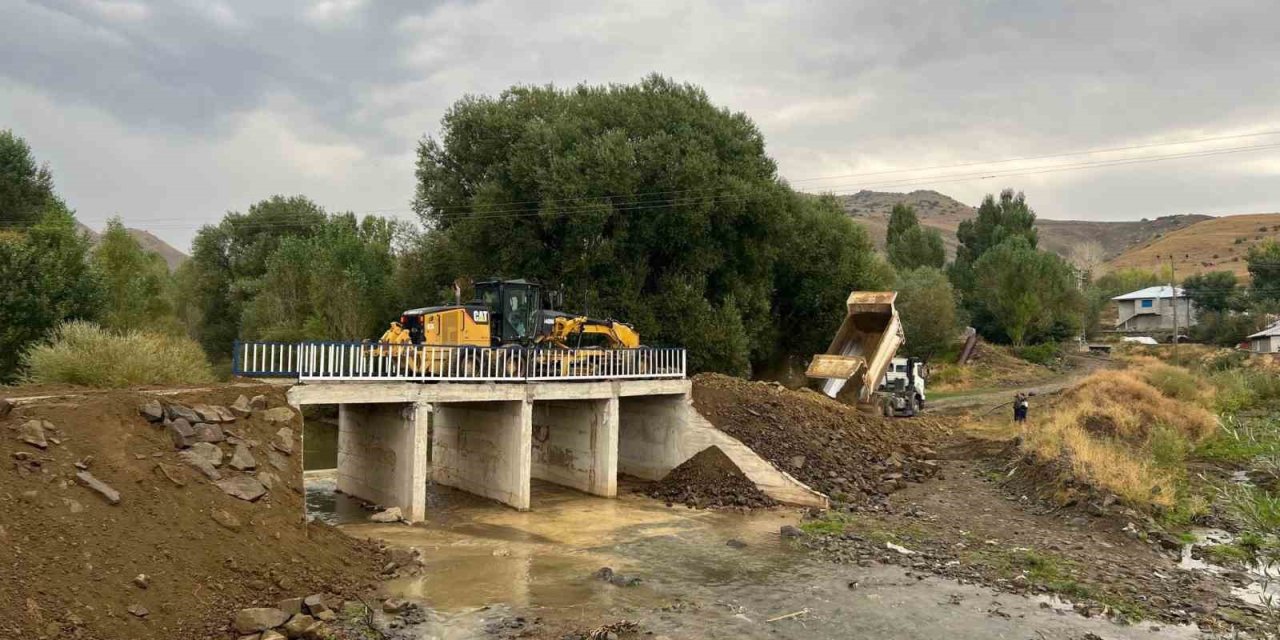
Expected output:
(863, 349)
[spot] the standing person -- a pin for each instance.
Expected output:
(1026, 406)
(1018, 414)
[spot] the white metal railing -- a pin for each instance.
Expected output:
(374, 361)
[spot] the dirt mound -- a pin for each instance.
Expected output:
(72, 559)
(834, 448)
(709, 480)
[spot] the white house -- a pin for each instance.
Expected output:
(1267, 340)
(1153, 309)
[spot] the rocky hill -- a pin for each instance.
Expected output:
(1064, 237)
(149, 242)
(1211, 244)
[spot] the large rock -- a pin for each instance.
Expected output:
(243, 487)
(201, 463)
(241, 407)
(283, 439)
(206, 413)
(278, 414)
(178, 411)
(152, 410)
(85, 478)
(209, 433)
(278, 461)
(301, 626)
(315, 604)
(291, 606)
(268, 479)
(182, 433)
(242, 459)
(258, 619)
(32, 433)
(225, 414)
(389, 515)
(208, 451)
(258, 403)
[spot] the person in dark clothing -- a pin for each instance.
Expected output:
(1020, 406)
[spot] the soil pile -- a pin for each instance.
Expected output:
(709, 480)
(851, 456)
(131, 514)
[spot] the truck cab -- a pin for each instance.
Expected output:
(903, 387)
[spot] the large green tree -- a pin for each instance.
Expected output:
(927, 304)
(1264, 269)
(47, 279)
(995, 221)
(646, 202)
(136, 282)
(1214, 291)
(1029, 295)
(26, 187)
(336, 285)
(910, 245)
(229, 261)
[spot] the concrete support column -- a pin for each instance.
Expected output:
(575, 444)
(484, 448)
(652, 435)
(382, 455)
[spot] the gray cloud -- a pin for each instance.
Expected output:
(171, 113)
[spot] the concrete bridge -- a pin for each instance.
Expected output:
(491, 437)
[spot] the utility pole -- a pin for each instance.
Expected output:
(1173, 297)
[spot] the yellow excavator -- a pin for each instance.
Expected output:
(506, 314)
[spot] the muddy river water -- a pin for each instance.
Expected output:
(486, 562)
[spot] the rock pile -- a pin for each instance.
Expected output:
(709, 480)
(851, 456)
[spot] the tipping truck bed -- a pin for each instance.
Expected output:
(863, 347)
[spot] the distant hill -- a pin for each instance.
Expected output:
(942, 212)
(1213, 244)
(149, 242)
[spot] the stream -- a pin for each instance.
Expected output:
(487, 564)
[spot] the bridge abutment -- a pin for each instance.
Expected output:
(484, 448)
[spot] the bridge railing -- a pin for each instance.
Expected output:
(350, 361)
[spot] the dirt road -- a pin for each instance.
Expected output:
(990, 400)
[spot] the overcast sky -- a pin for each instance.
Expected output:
(171, 113)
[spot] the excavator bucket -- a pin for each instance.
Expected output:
(863, 347)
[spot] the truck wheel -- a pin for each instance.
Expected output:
(913, 406)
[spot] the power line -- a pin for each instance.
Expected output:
(675, 202)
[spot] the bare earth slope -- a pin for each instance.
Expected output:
(70, 559)
(1214, 244)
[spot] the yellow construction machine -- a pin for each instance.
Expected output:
(480, 338)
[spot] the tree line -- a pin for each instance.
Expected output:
(644, 203)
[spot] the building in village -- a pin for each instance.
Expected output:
(1267, 340)
(1154, 309)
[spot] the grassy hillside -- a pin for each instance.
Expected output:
(1215, 244)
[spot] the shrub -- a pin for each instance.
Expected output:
(83, 353)
(1173, 382)
(1042, 354)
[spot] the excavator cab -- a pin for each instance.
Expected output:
(514, 310)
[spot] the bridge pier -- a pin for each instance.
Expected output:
(484, 448)
(575, 444)
(382, 455)
(491, 439)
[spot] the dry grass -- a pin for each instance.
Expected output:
(1219, 244)
(1116, 432)
(85, 354)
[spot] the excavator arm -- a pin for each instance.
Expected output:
(566, 331)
